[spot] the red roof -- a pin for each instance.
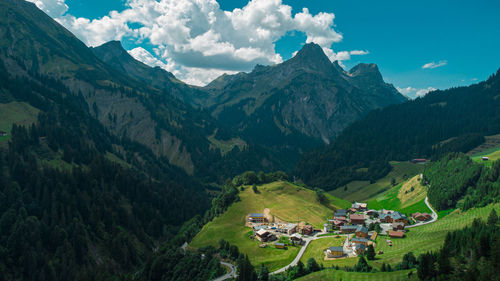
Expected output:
(357, 217)
(397, 234)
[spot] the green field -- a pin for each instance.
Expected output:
(15, 113)
(336, 275)
(317, 247)
(406, 198)
(417, 240)
(285, 201)
(363, 190)
(493, 154)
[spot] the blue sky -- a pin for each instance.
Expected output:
(400, 36)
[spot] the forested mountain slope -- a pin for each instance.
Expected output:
(456, 119)
(76, 202)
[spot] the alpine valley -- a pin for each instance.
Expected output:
(114, 170)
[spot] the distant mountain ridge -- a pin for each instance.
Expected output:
(307, 94)
(453, 120)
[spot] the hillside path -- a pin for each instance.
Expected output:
(434, 215)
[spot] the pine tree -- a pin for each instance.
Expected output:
(493, 217)
(312, 265)
(263, 273)
(370, 253)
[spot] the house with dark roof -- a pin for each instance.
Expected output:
(3, 134)
(340, 213)
(398, 217)
(348, 228)
(363, 241)
(361, 231)
(357, 218)
(335, 252)
(256, 217)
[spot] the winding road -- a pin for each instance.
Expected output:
(229, 275)
(434, 215)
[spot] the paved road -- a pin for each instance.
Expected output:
(301, 252)
(434, 215)
(229, 275)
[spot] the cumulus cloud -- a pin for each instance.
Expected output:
(53, 8)
(432, 65)
(197, 36)
(415, 92)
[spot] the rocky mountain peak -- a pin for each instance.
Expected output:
(366, 70)
(312, 56)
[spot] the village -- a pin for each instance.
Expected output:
(360, 227)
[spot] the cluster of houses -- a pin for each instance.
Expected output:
(267, 232)
(354, 221)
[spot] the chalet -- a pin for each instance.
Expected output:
(396, 234)
(290, 228)
(264, 235)
(352, 210)
(359, 249)
(398, 217)
(296, 238)
(340, 213)
(359, 206)
(307, 230)
(337, 223)
(340, 218)
(363, 241)
(421, 216)
(348, 228)
(361, 231)
(3, 134)
(371, 212)
(483, 158)
(256, 217)
(357, 218)
(279, 245)
(419, 161)
(387, 218)
(335, 252)
(398, 226)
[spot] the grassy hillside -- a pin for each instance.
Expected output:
(491, 143)
(332, 274)
(317, 247)
(493, 154)
(285, 201)
(19, 113)
(417, 240)
(363, 190)
(407, 198)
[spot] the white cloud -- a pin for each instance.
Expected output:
(197, 36)
(432, 65)
(415, 92)
(54, 8)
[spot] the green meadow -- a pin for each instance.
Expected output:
(285, 201)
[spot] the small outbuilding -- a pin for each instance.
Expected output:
(396, 234)
(279, 245)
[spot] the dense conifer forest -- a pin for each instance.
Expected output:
(458, 182)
